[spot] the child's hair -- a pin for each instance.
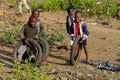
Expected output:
(31, 19)
(68, 10)
(33, 11)
(78, 11)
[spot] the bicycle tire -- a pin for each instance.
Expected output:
(45, 48)
(38, 53)
(75, 58)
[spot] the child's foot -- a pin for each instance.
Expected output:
(43, 63)
(32, 58)
(88, 61)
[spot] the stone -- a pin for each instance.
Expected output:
(104, 38)
(79, 74)
(63, 78)
(1, 12)
(118, 53)
(53, 71)
(118, 48)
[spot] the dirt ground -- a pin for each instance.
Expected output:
(103, 44)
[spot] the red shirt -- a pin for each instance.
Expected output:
(77, 29)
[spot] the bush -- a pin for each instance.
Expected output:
(54, 36)
(111, 8)
(35, 5)
(52, 4)
(89, 7)
(10, 36)
(25, 72)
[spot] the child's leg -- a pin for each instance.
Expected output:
(25, 3)
(85, 49)
(20, 6)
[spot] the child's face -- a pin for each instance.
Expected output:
(71, 12)
(33, 22)
(36, 14)
(78, 17)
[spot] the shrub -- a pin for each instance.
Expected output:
(52, 4)
(26, 72)
(111, 8)
(10, 36)
(35, 5)
(105, 8)
(54, 36)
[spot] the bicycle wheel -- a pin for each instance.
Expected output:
(45, 47)
(33, 47)
(75, 51)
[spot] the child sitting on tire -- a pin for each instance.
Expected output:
(29, 30)
(80, 28)
(39, 26)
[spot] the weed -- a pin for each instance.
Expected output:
(26, 72)
(107, 8)
(35, 5)
(11, 35)
(53, 36)
(2, 23)
(52, 4)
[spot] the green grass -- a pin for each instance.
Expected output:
(108, 8)
(25, 72)
(54, 36)
(12, 34)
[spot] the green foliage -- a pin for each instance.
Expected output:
(111, 8)
(3, 24)
(27, 72)
(9, 1)
(11, 34)
(105, 8)
(52, 4)
(35, 5)
(53, 36)
(2, 71)
(1, 67)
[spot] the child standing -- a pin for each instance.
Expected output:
(39, 25)
(80, 28)
(69, 19)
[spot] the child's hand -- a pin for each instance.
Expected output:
(26, 41)
(72, 36)
(85, 37)
(40, 35)
(81, 40)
